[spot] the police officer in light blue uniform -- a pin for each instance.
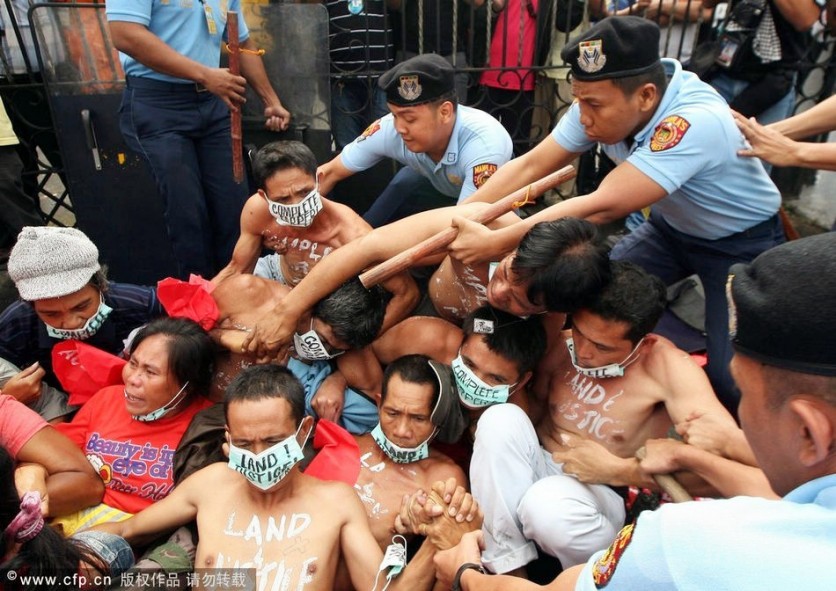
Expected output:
(175, 113)
(448, 150)
(675, 144)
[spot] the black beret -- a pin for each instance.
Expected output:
(782, 306)
(418, 80)
(615, 47)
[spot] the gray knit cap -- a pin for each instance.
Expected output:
(50, 262)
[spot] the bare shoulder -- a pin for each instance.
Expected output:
(675, 372)
(255, 215)
(212, 477)
(336, 494)
(441, 467)
(662, 357)
(349, 223)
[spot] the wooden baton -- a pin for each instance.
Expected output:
(667, 482)
(235, 114)
(435, 243)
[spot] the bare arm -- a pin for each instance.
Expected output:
(730, 478)
(273, 331)
(176, 509)
(248, 247)
(405, 296)
(591, 462)
(684, 385)
(677, 10)
(801, 14)
(362, 554)
(330, 173)
(252, 68)
(434, 337)
(71, 482)
(625, 190)
(715, 434)
(144, 46)
(361, 371)
(820, 118)
(469, 550)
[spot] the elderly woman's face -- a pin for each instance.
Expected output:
(149, 384)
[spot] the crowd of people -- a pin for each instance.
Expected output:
(496, 403)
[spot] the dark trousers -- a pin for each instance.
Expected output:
(674, 255)
(513, 109)
(407, 193)
(17, 209)
(184, 135)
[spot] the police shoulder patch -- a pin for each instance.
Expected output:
(669, 133)
(482, 172)
(369, 131)
(604, 567)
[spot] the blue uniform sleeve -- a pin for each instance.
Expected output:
(379, 141)
(132, 11)
(243, 30)
(481, 167)
(635, 560)
(570, 134)
(682, 146)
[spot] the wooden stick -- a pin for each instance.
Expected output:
(235, 114)
(667, 482)
(433, 244)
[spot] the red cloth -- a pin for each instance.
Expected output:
(189, 300)
(18, 424)
(84, 369)
(338, 457)
(505, 47)
(133, 458)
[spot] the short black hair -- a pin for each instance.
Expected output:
(282, 155)
(633, 296)
(520, 340)
(415, 369)
(656, 76)
(565, 262)
(260, 382)
(354, 313)
(191, 351)
(451, 97)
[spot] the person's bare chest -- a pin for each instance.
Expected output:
(456, 289)
(615, 412)
(381, 487)
(288, 548)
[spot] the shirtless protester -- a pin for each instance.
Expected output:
(610, 387)
(492, 356)
(264, 513)
(338, 328)
(556, 267)
(289, 216)
(417, 402)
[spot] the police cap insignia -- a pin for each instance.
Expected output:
(418, 80)
(615, 47)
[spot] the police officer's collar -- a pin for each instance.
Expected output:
(674, 71)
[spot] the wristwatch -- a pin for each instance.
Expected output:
(457, 580)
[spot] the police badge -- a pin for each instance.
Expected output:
(591, 58)
(409, 88)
